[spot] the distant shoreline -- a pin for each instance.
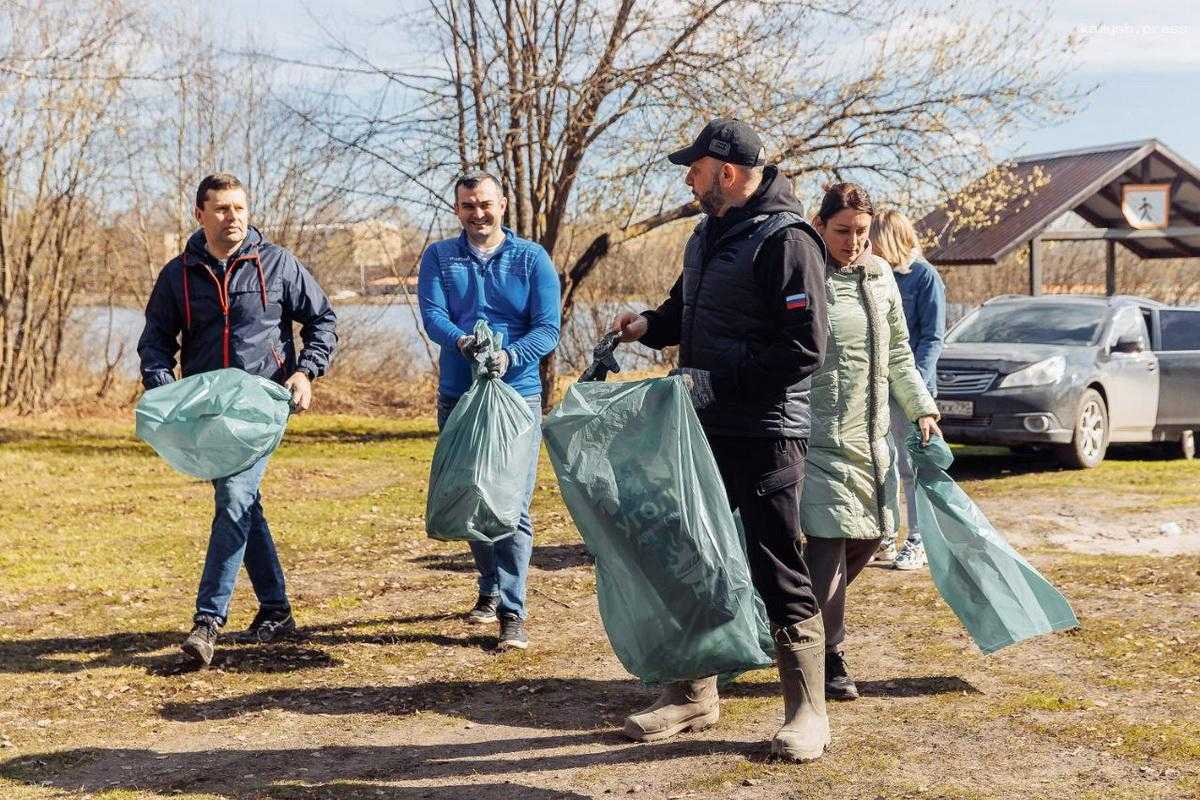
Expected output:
(132, 301)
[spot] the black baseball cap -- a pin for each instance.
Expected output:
(726, 140)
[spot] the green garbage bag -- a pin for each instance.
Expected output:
(639, 479)
(481, 461)
(214, 424)
(999, 597)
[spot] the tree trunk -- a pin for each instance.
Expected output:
(548, 372)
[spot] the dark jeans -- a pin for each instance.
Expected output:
(763, 478)
(835, 563)
(503, 567)
(240, 533)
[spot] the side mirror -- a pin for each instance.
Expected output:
(1128, 344)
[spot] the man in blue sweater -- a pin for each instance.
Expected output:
(488, 272)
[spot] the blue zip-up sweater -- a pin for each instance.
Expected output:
(924, 297)
(237, 314)
(516, 292)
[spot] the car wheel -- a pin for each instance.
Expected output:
(1090, 440)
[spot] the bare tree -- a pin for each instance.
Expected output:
(574, 103)
(225, 111)
(58, 84)
(109, 127)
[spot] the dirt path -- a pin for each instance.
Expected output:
(390, 695)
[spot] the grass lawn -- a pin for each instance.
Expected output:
(390, 695)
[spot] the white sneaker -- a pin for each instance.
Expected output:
(886, 551)
(911, 556)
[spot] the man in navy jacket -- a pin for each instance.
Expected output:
(230, 300)
(490, 273)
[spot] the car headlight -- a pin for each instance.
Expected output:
(1043, 372)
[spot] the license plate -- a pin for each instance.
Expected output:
(956, 408)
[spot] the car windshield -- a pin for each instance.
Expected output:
(1040, 323)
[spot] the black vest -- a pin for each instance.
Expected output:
(727, 317)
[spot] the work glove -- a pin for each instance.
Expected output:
(470, 347)
(496, 363)
(699, 386)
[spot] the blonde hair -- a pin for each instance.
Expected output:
(894, 239)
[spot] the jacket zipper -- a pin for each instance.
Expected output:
(872, 356)
(223, 299)
(684, 358)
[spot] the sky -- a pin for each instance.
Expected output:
(1143, 58)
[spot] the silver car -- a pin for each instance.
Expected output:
(1074, 374)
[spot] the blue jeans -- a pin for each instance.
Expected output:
(240, 532)
(904, 471)
(503, 567)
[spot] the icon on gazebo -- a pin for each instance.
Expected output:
(1146, 205)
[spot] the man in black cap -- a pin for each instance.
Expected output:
(748, 314)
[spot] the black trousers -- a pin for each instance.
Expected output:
(763, 478)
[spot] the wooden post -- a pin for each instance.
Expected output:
(1110, 268)
(1035, 269)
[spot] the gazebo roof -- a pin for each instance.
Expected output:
(1088, 182)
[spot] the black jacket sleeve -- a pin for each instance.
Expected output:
(159, 341)
(790, 264)
(306, 303)
(665, 322)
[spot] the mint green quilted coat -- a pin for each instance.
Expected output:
(849, 485)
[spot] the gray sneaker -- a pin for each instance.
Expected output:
(484, 611)
(886, 551)
(911, 556)
(201, 642)
(512, 633)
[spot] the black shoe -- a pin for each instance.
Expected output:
(269, 625)
(512, 633)
(484, 611)
(838, 684)
(202, 640)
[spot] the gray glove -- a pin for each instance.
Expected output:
(469, 346)
(699, 386)
(496, 363)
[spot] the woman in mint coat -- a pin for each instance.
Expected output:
(849, 501)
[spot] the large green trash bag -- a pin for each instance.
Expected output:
(639, 479)
(997, 595)
(477, 482)
(214, 424)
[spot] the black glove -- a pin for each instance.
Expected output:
(699, 386)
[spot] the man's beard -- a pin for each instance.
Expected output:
(712, 201)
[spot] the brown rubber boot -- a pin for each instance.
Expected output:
(683, 705)
(800, 650)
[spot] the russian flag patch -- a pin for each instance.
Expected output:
(797, 302)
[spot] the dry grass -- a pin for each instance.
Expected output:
(391, 696)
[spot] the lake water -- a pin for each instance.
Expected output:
(392, 329)
(385, 328)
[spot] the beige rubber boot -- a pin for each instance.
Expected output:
(800, 650)
(683, 705)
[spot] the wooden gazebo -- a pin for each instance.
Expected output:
(1139, 194)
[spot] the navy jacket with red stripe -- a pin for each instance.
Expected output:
(240, 316)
